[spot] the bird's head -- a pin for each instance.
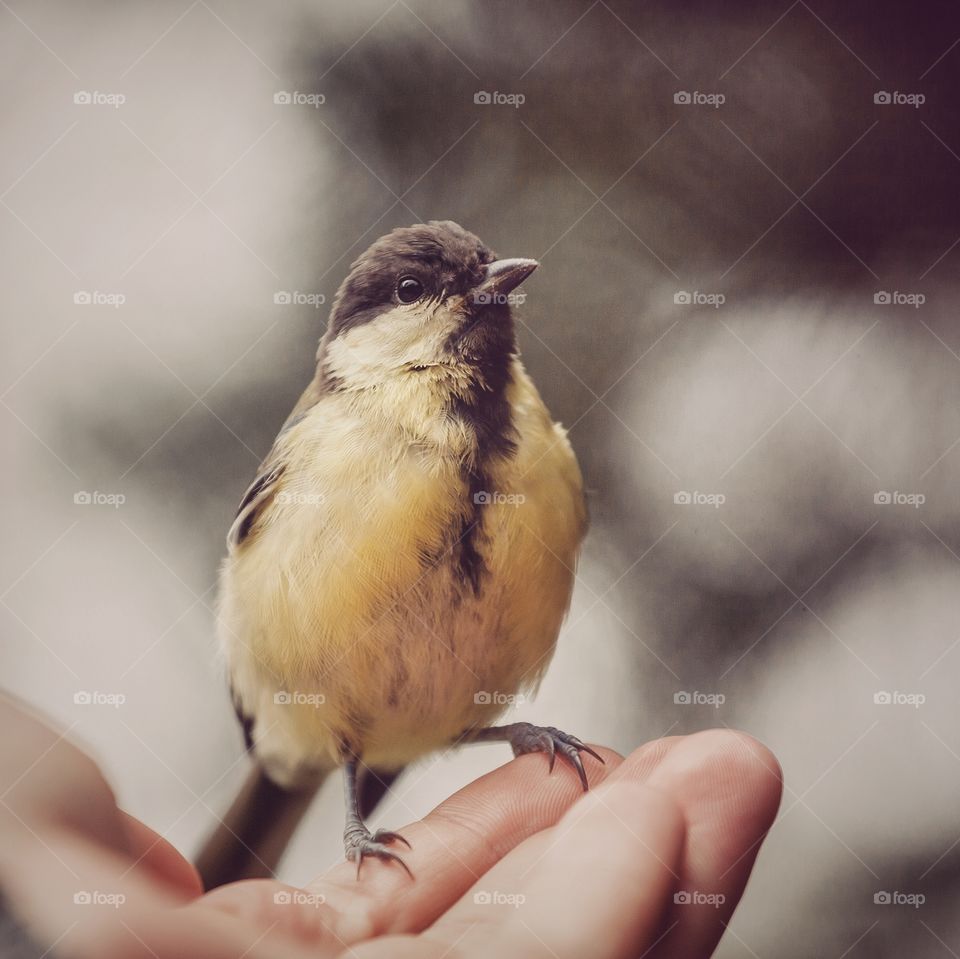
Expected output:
(424, 298)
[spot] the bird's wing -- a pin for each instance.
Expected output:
(261, 491)
(257, 497)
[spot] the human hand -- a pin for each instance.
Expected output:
(518, 863)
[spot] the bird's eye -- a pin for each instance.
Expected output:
(409, 289)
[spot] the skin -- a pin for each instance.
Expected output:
(597, 871)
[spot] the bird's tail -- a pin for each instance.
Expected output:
(252, 837)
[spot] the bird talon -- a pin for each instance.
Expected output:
(360, 844)
(548, 739)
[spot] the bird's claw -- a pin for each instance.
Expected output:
(548, 739)
(360, 843)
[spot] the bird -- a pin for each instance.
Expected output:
(400, 567)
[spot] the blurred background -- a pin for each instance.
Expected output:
(748, 219)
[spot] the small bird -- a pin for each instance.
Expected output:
(400, 567)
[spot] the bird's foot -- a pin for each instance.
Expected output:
(527, 738)
(359, 843)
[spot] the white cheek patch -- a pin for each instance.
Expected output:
(401, 338)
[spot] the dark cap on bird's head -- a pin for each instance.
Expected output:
(427, 295)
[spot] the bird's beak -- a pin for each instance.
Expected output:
(503, 276)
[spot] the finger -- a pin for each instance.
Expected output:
(728, 788)
(596, 884)
(150, 851)
(454, 845)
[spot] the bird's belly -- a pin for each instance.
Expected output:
(363, 625)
